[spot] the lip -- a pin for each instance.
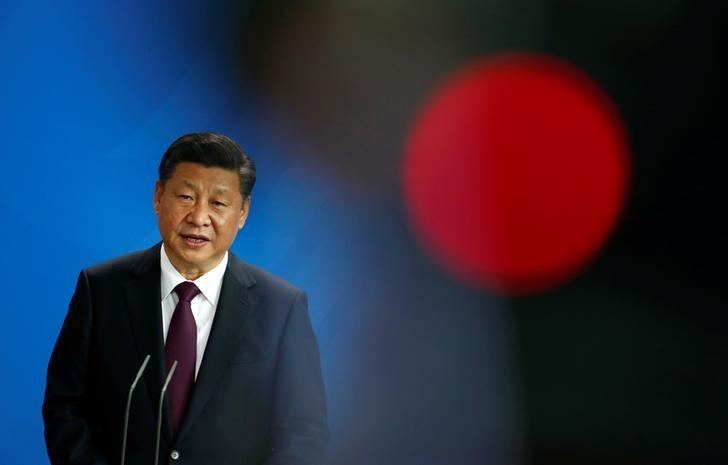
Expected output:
(194, 241)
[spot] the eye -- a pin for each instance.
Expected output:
(184, 197)
(217, 203)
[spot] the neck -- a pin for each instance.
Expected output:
(189, 275)
(189, 272)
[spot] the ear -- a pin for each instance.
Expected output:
(244, 210)
(158, 191)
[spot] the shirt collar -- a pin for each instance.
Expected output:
(209, 283)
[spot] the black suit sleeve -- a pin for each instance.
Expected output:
(68, 434)
(299, 430)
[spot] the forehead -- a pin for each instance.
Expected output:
(202, 177)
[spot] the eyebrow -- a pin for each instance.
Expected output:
(189, 184)
(220, 190)
(216, 190)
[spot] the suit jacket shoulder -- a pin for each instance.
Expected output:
(119, 267)
(266, 282)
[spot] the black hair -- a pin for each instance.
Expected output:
(211, 150)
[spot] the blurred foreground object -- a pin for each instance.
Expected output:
(515, 172)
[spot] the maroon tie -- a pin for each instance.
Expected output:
(181, 345)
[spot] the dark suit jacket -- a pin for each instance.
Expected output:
(259, 395)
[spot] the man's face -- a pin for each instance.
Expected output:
(199, 211)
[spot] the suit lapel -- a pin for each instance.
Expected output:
(143, 297)
(227, 328)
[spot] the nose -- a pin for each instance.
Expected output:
(199, 215)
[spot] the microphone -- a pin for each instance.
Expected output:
(159, 413)
(128, 406)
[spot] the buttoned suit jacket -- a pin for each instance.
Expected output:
(258, 397)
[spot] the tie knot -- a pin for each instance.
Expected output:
(186, 291)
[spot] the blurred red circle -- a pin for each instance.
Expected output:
(515, 172)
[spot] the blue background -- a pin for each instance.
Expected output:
(92, 94)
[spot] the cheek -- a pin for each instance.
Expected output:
(170, 218)
(225, 226)
(165, 224)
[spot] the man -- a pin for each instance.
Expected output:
(247, 387)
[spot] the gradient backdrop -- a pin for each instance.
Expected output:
(474, 303)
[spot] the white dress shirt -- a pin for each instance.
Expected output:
(203, 304)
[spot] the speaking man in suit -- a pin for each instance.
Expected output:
(248, 387)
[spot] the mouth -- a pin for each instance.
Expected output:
(194, 240)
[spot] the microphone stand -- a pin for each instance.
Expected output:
(159, 413)
(128, 406)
